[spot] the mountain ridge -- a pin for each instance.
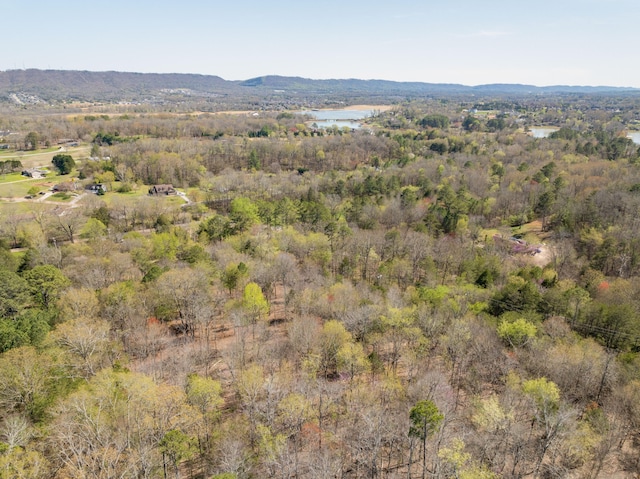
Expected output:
(83, 85)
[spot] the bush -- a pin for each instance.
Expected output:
(125, 188)
(62, 195)
(518, 332)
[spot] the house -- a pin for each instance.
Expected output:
(66, 186)
(97, 188)
(166, 190)
(34, 173)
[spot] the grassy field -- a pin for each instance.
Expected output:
(22, 207)
(113, 194)
(15, 154)
(486, 113)
(43, 157)
(14, 189)
(15, 185)
(141, 191)
(62, 196)
(20, 189)
(12, 178)
(138, 192)
(530, 232)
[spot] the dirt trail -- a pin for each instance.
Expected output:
(544, 257)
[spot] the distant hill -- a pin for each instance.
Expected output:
(52, 85)
(32, 86)
(373, 86)
(351, 85)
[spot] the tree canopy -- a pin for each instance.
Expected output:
(63, 163)
(440, 293)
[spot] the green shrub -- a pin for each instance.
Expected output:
(518, 332)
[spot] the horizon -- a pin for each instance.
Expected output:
(569, 43)
(322, 79)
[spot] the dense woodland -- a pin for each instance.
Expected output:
(326, 303)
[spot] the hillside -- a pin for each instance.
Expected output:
(60, 85)
(33, 86)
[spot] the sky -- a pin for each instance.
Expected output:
(470, 42)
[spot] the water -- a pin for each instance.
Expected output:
(541, 132)
(635, 136)
(339, 118)
(338, 114)
(545, 131)
(338, 123)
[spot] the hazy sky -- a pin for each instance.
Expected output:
(543, 42)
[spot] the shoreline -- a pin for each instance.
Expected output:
(361, 108)
(344, 108)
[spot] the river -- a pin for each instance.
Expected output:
(340, 118)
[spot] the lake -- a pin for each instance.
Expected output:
(338, 114)
(544, 132)
(338, 123)
(339, 118)
(635, 136)
(541, 131)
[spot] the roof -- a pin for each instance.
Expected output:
(161, 189)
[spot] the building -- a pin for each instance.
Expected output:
(34, 173)
(66, 186)
(166, 190)
(97, 188)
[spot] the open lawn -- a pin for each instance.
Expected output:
(63, 196)
(13, 154)
(43, 157)
(488, 233)
(486, 113)
(23, 207)
(530, 232)
(141, 191)
(15, 185)
(12, 178)
(114, 195)
(19, 188)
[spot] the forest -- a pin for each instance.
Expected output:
(439, 293)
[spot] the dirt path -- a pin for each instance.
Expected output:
(72, 203)
(544, 257)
